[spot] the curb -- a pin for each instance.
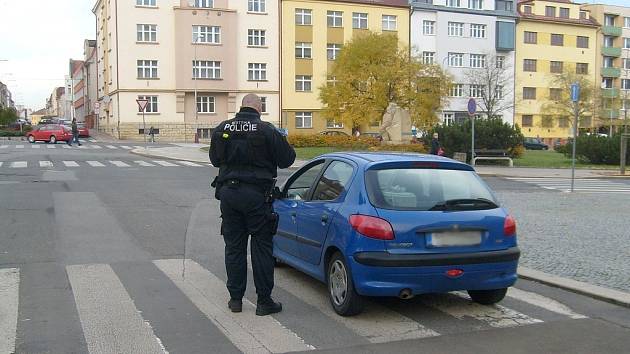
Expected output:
(577, 178)
(596, 292)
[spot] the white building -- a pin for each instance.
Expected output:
(464, 36)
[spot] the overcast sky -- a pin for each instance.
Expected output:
(38, 37)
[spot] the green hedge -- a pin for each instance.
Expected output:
(351, 143)
(11, 133)
(597, 150)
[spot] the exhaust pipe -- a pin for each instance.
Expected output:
(405, 294)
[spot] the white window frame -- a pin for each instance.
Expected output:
(428, 28)
(257, 6)
(477, 30)
(146, 3)
(206, 34)
(453, 3)
(477, 91)
(626, 22)
(625, 63)
(256, 37)
(455, 29)
(625, 84)
(475, 4)
(146, 33)
(390, 23)
(332, 124)
(626, 42)
(303, 117)
(207, 69)
(448, 118)
(331, 81)
(147, 69)
(359, 20)
(500, 61)
(332, 51)
(456, 60)
(257, 71)
(303, 83)
(303, 50)
(334, 19)
(304, 17)
(428, 57)
(457, 90)
(206, 104)
(498, 92)
(204, 4)
(152, 105)
(477, 61)
(263, 109)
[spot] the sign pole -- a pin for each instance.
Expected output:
(142, 104)
(472, 109)
(575, 97)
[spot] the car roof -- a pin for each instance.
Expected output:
(369, 159)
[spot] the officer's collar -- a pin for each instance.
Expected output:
(248, 114)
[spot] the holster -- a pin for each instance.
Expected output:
(273, 220)
(217, 187)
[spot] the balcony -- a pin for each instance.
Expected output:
(611, 72)
(611, 31)
(606, 114)
(611, 52)
(610, 93)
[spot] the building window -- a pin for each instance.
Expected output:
(152, 105)
(547, 122)
(556, 67)
(303, 120)
(529, 93)
(626, 43)
(477, 31)
(303, 17)
(626, 64)
(257, 72)
(456, 29)
(550, 11)
(303, 83)
(206, 4)
(527, 120)
(563, 122)
(428, 57)
(609, 62)
(477, 91)
(457, 90)
(151, 3)
(263, 100)
(453, 3)
(303, 50)
(204, 69)
(503, 5)
(335, 18)
(581, 68)
(500, 62)
(332, 124)
(609, 20)
(582, 42)
(256, 6)
(456, 59)
(625, 84)
(477, 61)
(475, 4)
(205, 104)
(146, 33)
(256, 38)
(555, 94)
(389, 23)
(531, 37)
(498, 92)
(207, 34)
(583, 15)
(557, 39)
(331, 81)
(626, 22)
(609, 41)
(448, 118)
(564, 12)
(428, 28)
(147, 69)
(333, 51)
(202, 133)
(359, 20)
(607, 82)
(527, 9)
(529, 65)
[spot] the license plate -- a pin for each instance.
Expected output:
(454, 238)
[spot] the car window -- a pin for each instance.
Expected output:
(334, 181)
(298, 189)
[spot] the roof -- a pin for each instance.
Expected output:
(372, 158)
(570, 21)
(392, 3)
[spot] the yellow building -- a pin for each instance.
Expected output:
(551, 37)
(313, 32)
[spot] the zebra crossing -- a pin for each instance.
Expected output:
(588, 185)
(114, 321)
(47, 164)
(66, 146)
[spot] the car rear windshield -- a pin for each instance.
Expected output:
(424, 189)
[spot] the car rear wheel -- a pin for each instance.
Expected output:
(53, 139)
(31, 139)
(487, 297)
(343, 296)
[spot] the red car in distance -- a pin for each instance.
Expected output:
(84, 132)
(51, 133)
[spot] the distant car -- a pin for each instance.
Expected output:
(84, 132)
(372, 135)
(51, 133)
(45, 121)
(535, 144)
(334, 133)
(387, 224)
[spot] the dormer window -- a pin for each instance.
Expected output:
(207, 4)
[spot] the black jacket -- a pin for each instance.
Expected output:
(435, 146)
(248, 149)
(75, 128)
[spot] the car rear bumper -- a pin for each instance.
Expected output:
(386, 259)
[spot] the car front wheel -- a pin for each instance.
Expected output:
(31, 139)
(53, 139)
(487, 297)
(343, 296)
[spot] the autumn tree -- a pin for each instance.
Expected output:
(373, 71)
(496, 78)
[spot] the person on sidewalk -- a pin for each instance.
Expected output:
(435, 145)
(248, 152)
(152, 134)
(75, 133)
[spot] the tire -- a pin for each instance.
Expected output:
(53, 139)
(31, 139)
(341, 292)
(487, 297)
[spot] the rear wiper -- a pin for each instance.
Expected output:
(465, 204)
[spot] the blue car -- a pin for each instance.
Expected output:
(392, 224)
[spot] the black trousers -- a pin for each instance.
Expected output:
(245, 213)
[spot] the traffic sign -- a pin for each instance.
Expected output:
(575, 92)
(472, 106)
(142, 104)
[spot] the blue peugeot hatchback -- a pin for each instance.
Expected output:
(391, 224)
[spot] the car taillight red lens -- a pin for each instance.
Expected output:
(454, 273)
(372, 227)
(509, 227)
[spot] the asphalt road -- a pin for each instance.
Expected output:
(92, 249)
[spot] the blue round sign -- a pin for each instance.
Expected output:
(472, 106)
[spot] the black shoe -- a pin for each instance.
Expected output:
(235, 305)
(268, 307)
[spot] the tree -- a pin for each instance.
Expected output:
(496, 77)
(373, 71)
(7, 116)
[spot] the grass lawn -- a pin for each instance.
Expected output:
(552, 159)
(307, 153)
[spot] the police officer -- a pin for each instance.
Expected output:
(248, 152)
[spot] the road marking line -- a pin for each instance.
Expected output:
(47, 164)
(138, 147)
(188, 163)
(33, 146)
(110, 320)
(544, 302)
(70, 164)
(19, 164)
(19, 146)
(66, 146)
(96, 146)
(165, 163)
(126, 147)
(459, 305)
(1, 163)
(378, 325)
(111, 147)
(93, 140)
(249, 333)
(119, 164)
(10, 295)
(51, 146)
(4, 146)
(95, 164)
(144, 164)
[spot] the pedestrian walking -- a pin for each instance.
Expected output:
(152, 134)
(248, 152)
(75, 132)
(436, 149)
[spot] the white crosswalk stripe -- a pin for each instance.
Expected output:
(9, 293)
(70, 164)
(119, 164)
(95, 164)
(66, 146)
(51, 146)
(164, 163)
(1, 163)
(19, 164)
(33, 146)
(138, 147)
(544, 302)
(126, 147)
(46, 164)
(144, 164)
(592, 185)
(188, 163)
(19, 146)
(96, 146)
(93, 140)
(111, 147)
(4, 146)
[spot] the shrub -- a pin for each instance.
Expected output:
(417, 148)
(11, 133)
(597, 150)
(346, 142)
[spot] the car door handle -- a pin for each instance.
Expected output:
(325, 218)
(293, 214)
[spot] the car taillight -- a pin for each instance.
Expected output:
(372, 227)
(509, 226)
